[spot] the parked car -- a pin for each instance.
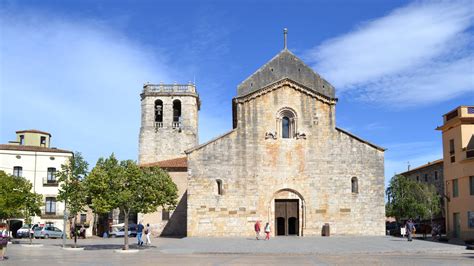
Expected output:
(48, 232)
(118, 230)
(23, 231)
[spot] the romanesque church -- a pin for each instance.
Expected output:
(284, 161)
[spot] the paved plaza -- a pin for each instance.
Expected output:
(244, 251)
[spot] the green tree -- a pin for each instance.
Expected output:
(72, 190)
(16, 198)
(128, 187)
(407, 199)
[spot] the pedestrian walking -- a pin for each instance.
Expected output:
(4, 238)
(140, 228)
(147, 234)
(267, 231)
(410, 227)
(257, 229)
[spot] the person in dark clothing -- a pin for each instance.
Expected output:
(140, 228)
(409, 228)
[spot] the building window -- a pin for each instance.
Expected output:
(50, 207)
(470, 219)
(22, 139)
(285, 130)
(426, 177)
(455, 188)
(158, 113)
(436, 175)
(451, 150)
(83, 218)
(219, 187)
(354, 185)
(471, 185)
(51, 177)
(18, 171)
(286, 119)
(165, 215)
(176, 114)
(43, 141)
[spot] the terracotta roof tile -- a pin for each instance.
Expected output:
(180, 163)
(31, 148)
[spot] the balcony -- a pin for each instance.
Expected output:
(52, 213)
(169, 88)
(158, 124)
(48, 182)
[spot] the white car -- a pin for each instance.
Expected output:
(25, 229)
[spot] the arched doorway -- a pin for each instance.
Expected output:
(288, 212)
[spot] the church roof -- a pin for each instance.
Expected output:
(285, 65)
(175, 164)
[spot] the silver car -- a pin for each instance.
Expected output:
(48, 232)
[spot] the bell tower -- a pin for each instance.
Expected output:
(169, 121)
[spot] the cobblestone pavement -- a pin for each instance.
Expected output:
(242, 251)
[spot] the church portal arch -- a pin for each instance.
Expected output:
(286, 212)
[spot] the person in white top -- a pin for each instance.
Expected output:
(267, 231)
(148, 234)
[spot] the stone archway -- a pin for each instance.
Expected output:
(287, 212)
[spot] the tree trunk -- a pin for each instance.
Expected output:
(125, 237)
(75, 231)
(94, 224)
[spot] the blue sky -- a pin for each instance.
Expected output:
(76, 68)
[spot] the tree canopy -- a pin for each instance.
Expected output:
(124, 185)
(17, 199)
(409, 199)
(72, 189)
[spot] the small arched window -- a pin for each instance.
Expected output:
(219, 187)
(176, 111)
(159, 111)
(286, 119)
(354, 185)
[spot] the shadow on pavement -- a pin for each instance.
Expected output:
(108, 246)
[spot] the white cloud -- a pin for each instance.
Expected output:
(421, 53)
(79, 80)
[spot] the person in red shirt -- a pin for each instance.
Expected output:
(257, 229)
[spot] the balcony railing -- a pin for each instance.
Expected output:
(170, 88)
(158, 124)
(50, 182)
(176, 124)
(56, 212)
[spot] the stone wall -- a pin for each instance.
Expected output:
(316, 170)
(158, 144)
(176, 225)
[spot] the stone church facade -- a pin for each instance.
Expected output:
(284, 162)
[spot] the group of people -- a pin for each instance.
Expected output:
(143, 230)
(267, 230)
